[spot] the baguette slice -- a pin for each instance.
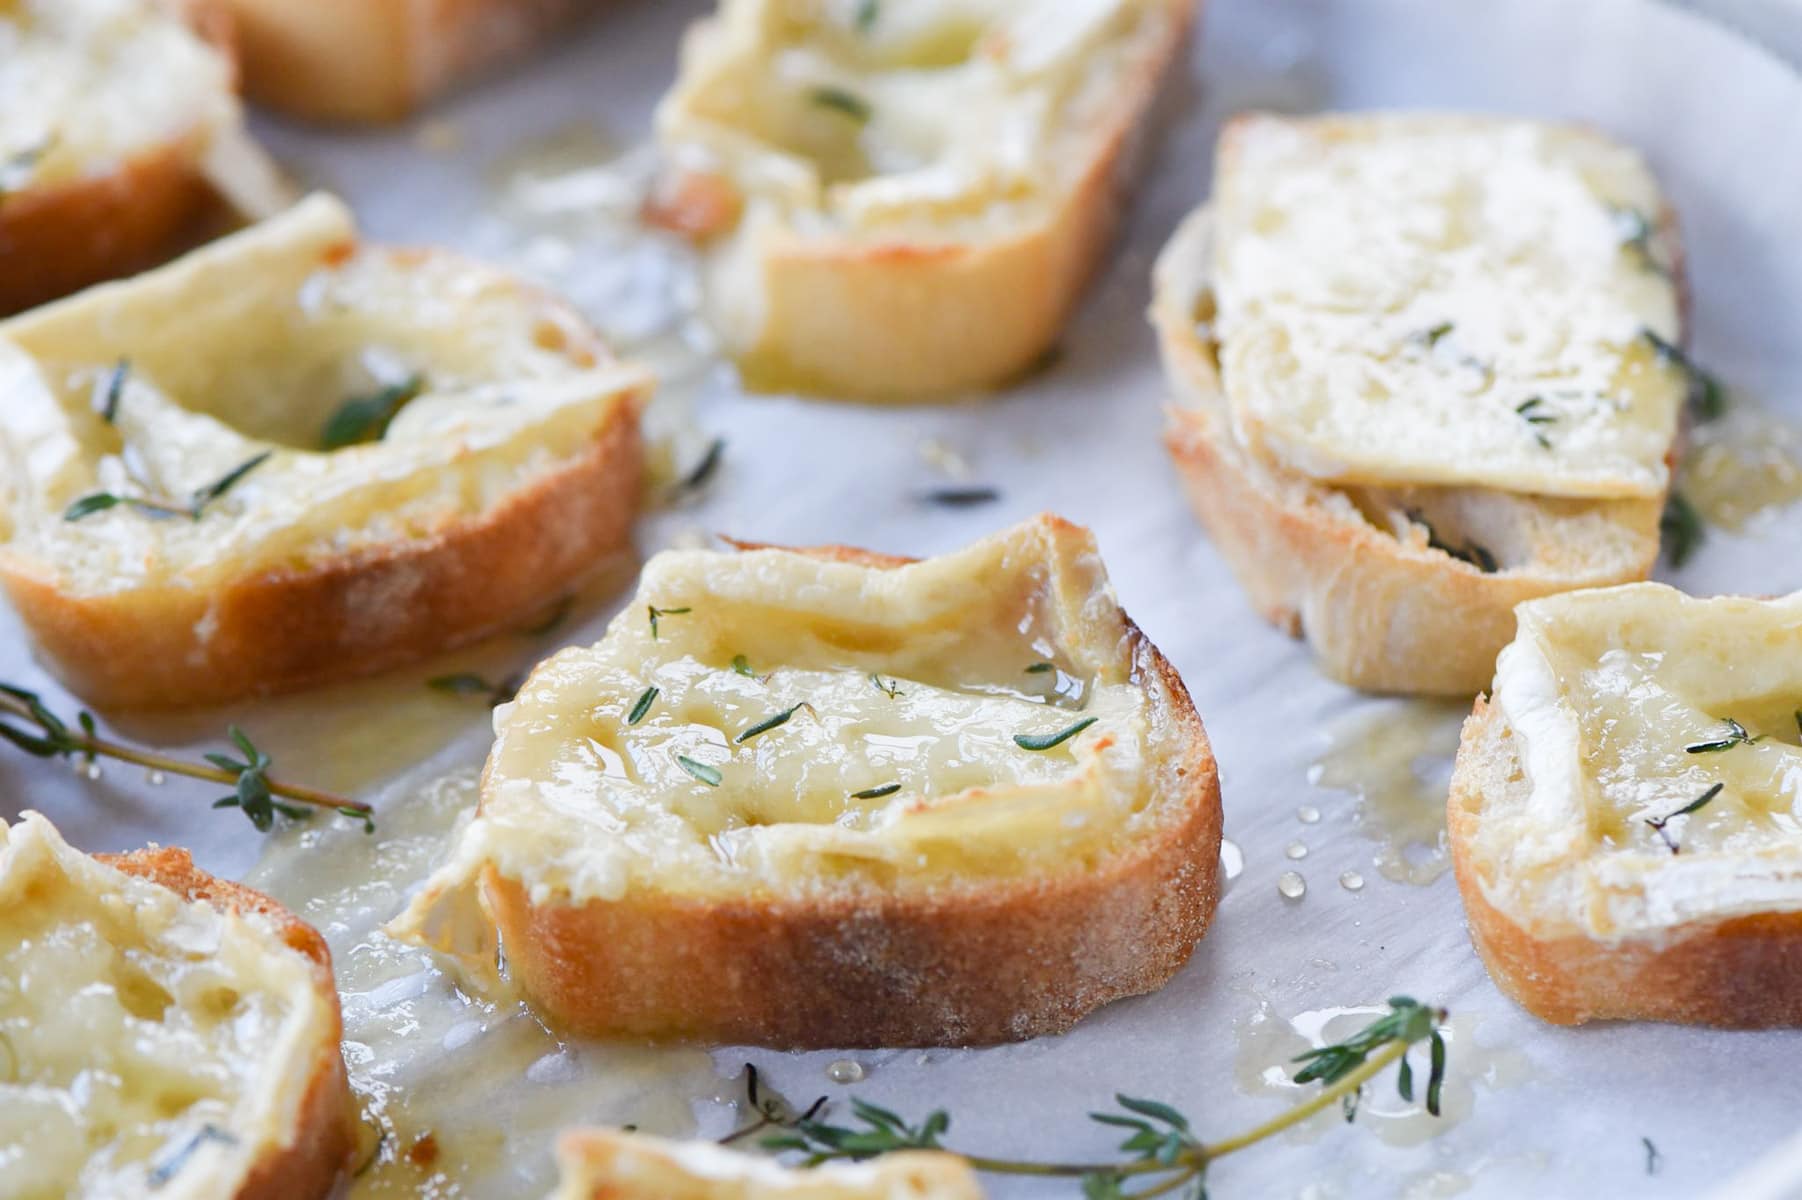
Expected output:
(598, 1164)
(906, 204)
(170, 1034)
(378, 60)
(1396, 588)
(512, 473)
(1591, 891)
(120, 134)
(782, 802)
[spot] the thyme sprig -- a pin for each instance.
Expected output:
(157, 506)
(657, 614)
(1707, 398)
(891, 689)
(1658, 823)
(772, 1108)
(1681, 528)
(45, 735)
(1736, 735)
(366, 418)
(1046, 741)
(1532, 410)
(1163, 1155)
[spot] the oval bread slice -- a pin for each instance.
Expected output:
(508, 472)
(905, 201)
(1397, 589)
(828, 798)
(1624, 811)
(162, 1032)
(597, 1164)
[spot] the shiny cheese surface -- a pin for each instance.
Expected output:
(1429, 299)
(148, 1045)
(933, 116)
(896, 766)
(249, 347)
(1606, 692)
(85, 84)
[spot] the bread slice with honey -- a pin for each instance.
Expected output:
(120, 135)
(828, 798)
(378, 60)
(1406, 399)
(292, 457)
(904, 201)
(165, 1033)
(1624, 810)
(599, 1164)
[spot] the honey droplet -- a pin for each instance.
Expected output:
(1307, 814)
(1291, 885)
(1296, 850)
(844, 1070)
(1351, 881)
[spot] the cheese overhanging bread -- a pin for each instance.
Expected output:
(1414, 382)
(598, 1164)
(162, 1033)
(1625, 811)
(905, 200)
(823, 797)
(377, 60)
(509, 469)
(119, 132)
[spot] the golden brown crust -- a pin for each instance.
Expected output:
(909, 321)
(1745, 972)
(58, 239)
(1379, 613)
(378, 60)
(324, 1136)
(966, 964)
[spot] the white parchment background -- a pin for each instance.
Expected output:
(1722, 123)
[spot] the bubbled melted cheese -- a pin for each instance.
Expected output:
(85, 84)
(152, 1045)
(929, 117)
(1446, 301)
(248, 347)
(1605, 691)
(581, 803)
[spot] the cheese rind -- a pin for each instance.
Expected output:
(1447, 300)
(1605, 692)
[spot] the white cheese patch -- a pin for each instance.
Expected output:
(1442, 300)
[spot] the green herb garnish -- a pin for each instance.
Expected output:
(867, 12)
(742, 666)
(876, 793)
(771, 722)
(1532, 411)
(1431, 337)
(1652, 1156)
(659, 613)
(1736, 736)
(45, 735)
(772, 1108)
(642, 709)
(959, 497)
(1658, 823)
(890, 689)
(1045, 741)
(1681, 528)
(1470, 552)
(366, 418)
(700, 770)
(1039, 668)
(170, 1167)
(467, 683)
(108, 396)
(1707, 398)
(96, 502)
(840, 101)
(1636, 231)
(698, 476)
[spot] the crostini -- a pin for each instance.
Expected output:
(120, 132)
(904, 201)
(829, 798)
(600, 1164)
(290, 458)
(378, 60)
(165, 1033)
(1624, 812)
(1423, 368)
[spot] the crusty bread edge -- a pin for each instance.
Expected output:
(903, 321)
(1379, 615)
(319, 1147)
(967, 964)
(1742, 972)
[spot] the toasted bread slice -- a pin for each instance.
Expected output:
(119, 133)
(167, 1033)
(1624, 810)
(905, 201)
(795, 798)
(1406, 587)
(378, 60)
(600, 1164)
(510, 474)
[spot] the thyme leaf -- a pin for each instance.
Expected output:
(1045, 741)
(1658, 823)
(1636, 230)
(891, 689)
(742, 666)
(960, 497)
(366, 418)
(877, 793)
(1652, 1156)
(659, 613)
(170, 1167)
(1039, 668)
(838, 100)
(691, 484)
(1681, 528)
(700, 770)
(1707, 398)
(1532, 411)
(107, 396)
(770, 722)
(642, 709)
(1736, 736)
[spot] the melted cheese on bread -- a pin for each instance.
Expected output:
(1447, 300)
(1625, 704)
(248, 347)
(149, 1045)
